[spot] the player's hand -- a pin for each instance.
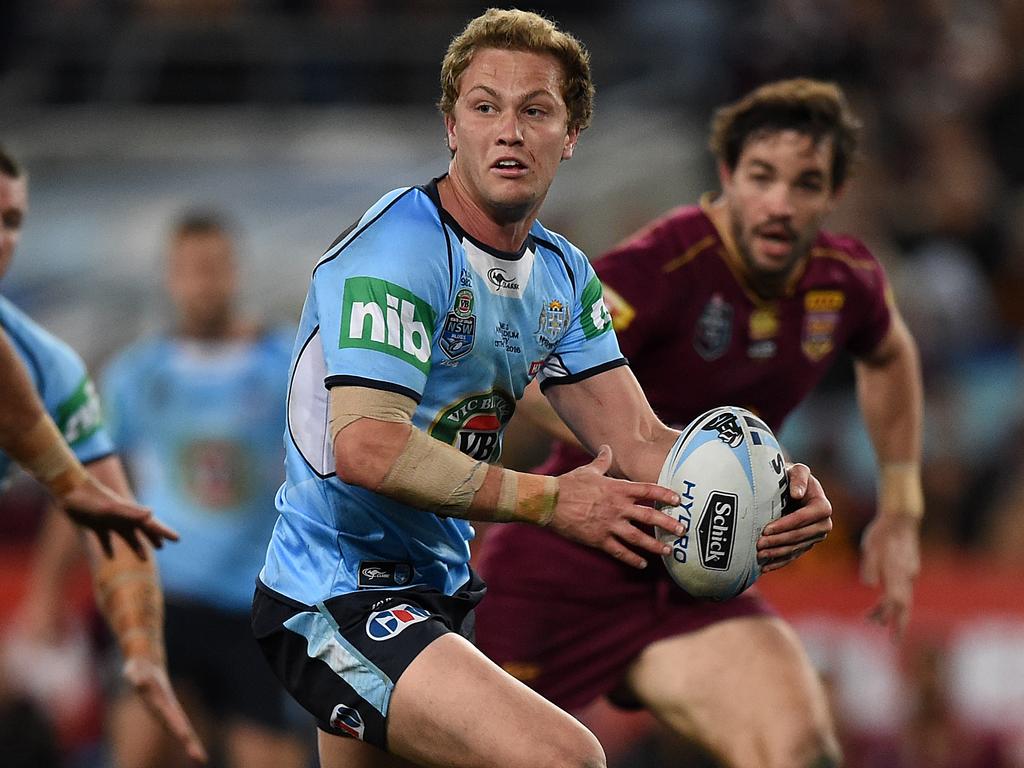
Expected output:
(604, 512)
(891, 558)
(95, 506)
(150, 681)
(782, 541)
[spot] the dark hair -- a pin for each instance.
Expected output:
(811, 107)
(201, 222)
(516, 30)
(8, 165)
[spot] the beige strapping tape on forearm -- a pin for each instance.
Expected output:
(899, 489)
(427, 474)
(41, 450)
(128, 595)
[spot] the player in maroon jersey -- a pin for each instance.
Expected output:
(742, 300)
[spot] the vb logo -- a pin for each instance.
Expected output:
(387, 318)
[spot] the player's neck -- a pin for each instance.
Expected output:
(226, 328)
(505, 233)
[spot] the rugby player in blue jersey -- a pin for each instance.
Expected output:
(127, 588)
(422, 326)
(197, 412)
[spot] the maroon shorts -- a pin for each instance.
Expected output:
(568, 620)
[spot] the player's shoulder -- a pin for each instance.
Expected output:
(401, 221)
(673, 239)
(138, 357)
(559, 249)
(842, 255)
(44, 348)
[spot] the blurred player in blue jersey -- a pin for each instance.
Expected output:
(423, 324)
(198, 413)
(127, 589)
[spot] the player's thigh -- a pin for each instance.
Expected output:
(746, 670)
(351, 753)
(454, 707)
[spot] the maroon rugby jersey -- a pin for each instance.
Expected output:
(697, 338)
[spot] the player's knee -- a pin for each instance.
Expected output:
(580, 750)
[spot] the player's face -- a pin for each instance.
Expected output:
(202, 280)
(778, 196)
(13, 207)
(509, 131)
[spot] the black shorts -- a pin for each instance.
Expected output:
(214, 652)
(341, 658)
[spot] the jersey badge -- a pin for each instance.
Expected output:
(474, 424)
(714, 329)
(459, 330)
(764, 327)
(551, 325)
(821, 317)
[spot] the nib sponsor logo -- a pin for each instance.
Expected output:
(387, 318)
(716, 531)
(348, 721)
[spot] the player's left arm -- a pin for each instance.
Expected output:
(890, 396)
(129, 596)
(609, 408)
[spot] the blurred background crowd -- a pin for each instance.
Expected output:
(292, 116)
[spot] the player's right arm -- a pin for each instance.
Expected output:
(377, 447)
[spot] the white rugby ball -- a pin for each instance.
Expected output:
(728, 468)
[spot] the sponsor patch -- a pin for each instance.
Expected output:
(387, 318)
(381, 573)
(80, 416)
(716, 531)
(728, 429)
(474, 424)
(349, 721)
(551, 325)
(595, 319)
(383, 625)
(714, 329)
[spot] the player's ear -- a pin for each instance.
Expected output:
(725, 173)
(571, 137)
(449, 129)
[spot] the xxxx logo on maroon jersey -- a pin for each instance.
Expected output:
(474, 424)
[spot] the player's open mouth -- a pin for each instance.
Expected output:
(509, 167)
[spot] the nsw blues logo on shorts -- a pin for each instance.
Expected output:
(383, 625)
(348, 720)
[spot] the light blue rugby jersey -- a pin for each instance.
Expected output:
(407, 302)
(60, 378)
(199, 425)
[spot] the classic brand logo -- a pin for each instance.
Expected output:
(500, 279)
(387, 318)
(596, 319)
(716, 531)
(474, 424)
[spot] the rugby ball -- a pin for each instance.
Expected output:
(728, 469)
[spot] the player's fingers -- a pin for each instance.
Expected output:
(658, 518)
(810, 534)
(131, 538)
(819, 512)
(615, 548)
(799, 475)
(653, 493)
(169, 710)
(779, 558)
(157, 532)
(603, 460)
(105, 544)
(639, 540)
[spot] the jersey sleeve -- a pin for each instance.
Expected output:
(74, 404)
(589, 346)
(378, 298)
(875, 302)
